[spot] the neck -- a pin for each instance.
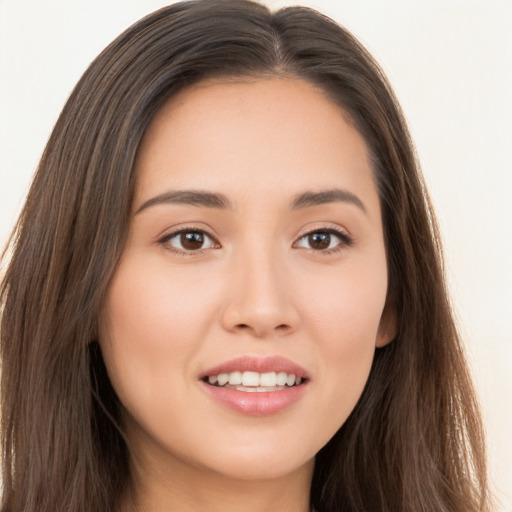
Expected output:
(191, 490)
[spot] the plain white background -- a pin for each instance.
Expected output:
(450, 64)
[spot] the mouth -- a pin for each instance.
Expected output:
(256, 386)
(254, 382)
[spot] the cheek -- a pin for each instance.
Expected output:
(347, 305)
(344, 322)
(150, 329)
(149, 304)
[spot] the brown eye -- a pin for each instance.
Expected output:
(325, 240)
(319, 241)
(189, 241)
(192, 241)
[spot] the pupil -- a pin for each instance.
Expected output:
(319, 240)
(192, 240)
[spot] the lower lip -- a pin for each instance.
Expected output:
(256, 404)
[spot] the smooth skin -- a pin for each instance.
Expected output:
(254, 272)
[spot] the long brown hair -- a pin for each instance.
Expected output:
(414, 441)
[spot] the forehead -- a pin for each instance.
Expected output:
(257, 134)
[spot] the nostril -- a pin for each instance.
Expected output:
(280, 327)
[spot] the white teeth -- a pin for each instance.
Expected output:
(290, 380)
(223, 379)
(268, 379)
(235, 378)
(251, 379)
(254, 381)
(281, 378)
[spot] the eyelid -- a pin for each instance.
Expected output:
(163, 239)
(313, 227)
(346, 240)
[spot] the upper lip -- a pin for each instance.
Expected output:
(257, 364)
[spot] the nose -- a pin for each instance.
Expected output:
(260, 298)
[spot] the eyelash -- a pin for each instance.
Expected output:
(182, 252)
(345, 241)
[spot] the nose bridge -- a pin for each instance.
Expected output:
(260, 300)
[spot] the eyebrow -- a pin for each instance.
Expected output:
(215, 200)
(308, 199)
(188, 197)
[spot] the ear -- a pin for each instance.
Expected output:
(388, 326)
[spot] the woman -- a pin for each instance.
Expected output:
(226, 286)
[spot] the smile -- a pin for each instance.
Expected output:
(255, 382)
(256, 386)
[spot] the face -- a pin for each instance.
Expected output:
(240, 325)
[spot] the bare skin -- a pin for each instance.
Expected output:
(256, 233)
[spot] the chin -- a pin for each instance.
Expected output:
(259, 468)
(259, 460)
